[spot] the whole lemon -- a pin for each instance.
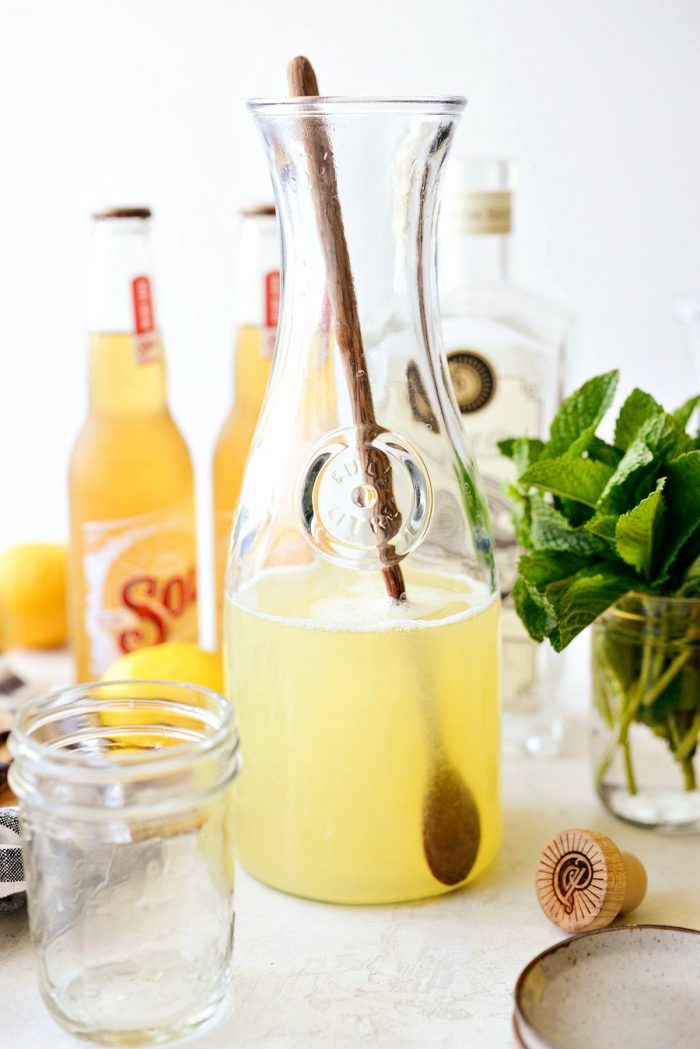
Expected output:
(33, 595)
(171, 661)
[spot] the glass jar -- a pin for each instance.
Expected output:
(362, 618)
(125, 794)
(646, 692)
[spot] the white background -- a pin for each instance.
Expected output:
(141, 101)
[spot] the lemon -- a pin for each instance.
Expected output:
(33, 595)
(171, 661)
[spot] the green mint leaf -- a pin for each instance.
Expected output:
(522, 450)
(567, 593)
(527, 450)
(534, 610)
(520, 509)
(506, 447)
(682, 494)
(635, 412)
(602, 525)
(541, 569)
(587, 596)
(638, 532)
(604, 453)
(691, 580)
(636, 468)
(582, 480)
(576, 421)
(683, 414)
(550, 530)
(664, 437)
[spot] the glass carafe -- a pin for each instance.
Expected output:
(369, 725)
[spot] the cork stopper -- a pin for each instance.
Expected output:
(583, 880)
(122, 213)
(257, 211)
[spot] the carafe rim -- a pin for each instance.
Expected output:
(358, 104)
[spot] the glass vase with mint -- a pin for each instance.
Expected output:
(505, 349)
(611, 531)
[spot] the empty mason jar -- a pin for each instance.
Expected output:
(125, 793)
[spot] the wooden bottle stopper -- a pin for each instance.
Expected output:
(584, 881)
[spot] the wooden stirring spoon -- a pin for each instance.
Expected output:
(451, 827)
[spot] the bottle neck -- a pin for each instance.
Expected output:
(473, 259)
(126, 366)
(257, 299)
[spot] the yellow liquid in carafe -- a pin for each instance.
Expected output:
(344, 703)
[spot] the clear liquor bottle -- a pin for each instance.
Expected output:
(505, 348)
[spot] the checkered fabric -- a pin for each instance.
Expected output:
(11, 868)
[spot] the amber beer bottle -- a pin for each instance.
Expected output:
(132, 561)
(257, 294)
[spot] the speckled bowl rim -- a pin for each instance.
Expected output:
(521, 1023)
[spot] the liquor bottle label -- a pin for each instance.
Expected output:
(140, 583)
(271, 309)
(479, 211)
(473, 380)
(146, 342)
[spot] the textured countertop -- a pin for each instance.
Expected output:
(437, 974)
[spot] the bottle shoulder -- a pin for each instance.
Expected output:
(511, 308)
(144, 437)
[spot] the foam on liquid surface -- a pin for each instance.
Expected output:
(305, 597)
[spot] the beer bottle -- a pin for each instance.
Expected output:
(132, 570)
(257, 292)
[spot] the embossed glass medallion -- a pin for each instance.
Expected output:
(341, 498)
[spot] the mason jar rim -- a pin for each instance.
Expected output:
(661, 599)
(621, 620)
(446, 105)
(81, 766)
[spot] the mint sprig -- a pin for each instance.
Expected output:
(629, 510)
(598, 521)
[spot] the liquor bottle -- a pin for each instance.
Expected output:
(257, 295)
(505, 349)
(132, 567)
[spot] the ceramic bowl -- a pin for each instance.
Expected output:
(630, 986)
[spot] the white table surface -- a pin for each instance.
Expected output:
(434, 974)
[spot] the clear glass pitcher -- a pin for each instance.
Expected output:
(362, 611)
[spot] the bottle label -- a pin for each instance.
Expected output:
(271, 309)
(473, 211)
(473, 380)
(140, 583)
(146, 342)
